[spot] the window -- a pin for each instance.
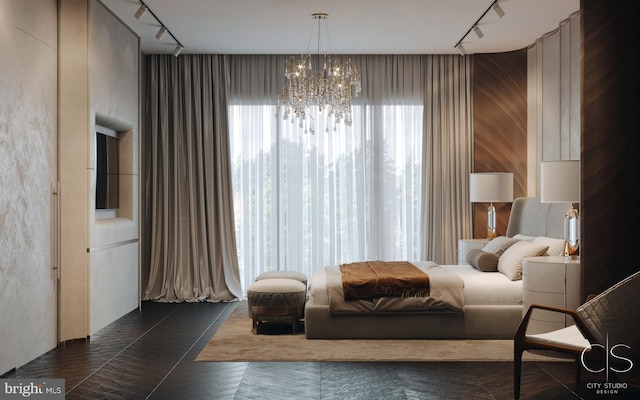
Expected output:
(345, 194)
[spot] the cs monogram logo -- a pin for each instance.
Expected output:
(614, 353)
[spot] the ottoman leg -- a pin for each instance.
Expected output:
(284, 311)
(296, 322)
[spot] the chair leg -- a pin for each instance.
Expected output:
(517, 372)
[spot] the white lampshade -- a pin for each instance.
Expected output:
(560, 181)
(491, 187)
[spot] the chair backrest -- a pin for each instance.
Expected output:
(613, 316)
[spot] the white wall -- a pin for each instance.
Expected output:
(28, 104)
(553, 90)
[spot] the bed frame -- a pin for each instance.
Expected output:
(528, 217)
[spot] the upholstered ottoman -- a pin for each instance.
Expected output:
(276, 300)
(299, 276)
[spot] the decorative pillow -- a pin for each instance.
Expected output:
(482, 260)
(498, 245)
(510, 262)
(520, 236)
(556, 246)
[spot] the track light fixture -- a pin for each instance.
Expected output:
(476, 29)
(142, 10)
(478, 32)
(161, 33)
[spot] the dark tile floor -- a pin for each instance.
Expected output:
(149, 353)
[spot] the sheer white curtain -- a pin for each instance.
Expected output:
(345, 194)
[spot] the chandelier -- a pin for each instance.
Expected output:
(330, 87)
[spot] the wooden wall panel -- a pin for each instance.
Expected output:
(609, 139)
(500, 127)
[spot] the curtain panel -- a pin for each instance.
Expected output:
(190, 243)
(447, 156)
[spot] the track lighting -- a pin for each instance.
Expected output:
(161, 33)
(141, 12)
(478, 32)
(476, 29)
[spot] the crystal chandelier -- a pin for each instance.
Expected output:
(330, 88)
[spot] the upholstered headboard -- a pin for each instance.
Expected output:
(531, 218)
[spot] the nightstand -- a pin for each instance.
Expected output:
(465, 245)
(551, 281)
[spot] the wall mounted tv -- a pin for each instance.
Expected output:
(106, 172)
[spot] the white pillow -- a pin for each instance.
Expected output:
(556, 246)
(524, 237)
(510, 262)
(498, 245)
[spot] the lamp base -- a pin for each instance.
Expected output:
(491, 222)
(571, 232)
(570, 251)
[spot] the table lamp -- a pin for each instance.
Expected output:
(560, 183)
(491, 187)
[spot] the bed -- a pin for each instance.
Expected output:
(491, 301)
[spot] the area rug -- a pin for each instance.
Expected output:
(234, 341)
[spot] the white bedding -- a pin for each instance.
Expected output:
(445, 286)
(480, 288)
(487, 288)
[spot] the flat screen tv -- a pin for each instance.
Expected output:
(106, 172)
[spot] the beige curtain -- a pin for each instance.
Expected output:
(447, 156)
(189, 242)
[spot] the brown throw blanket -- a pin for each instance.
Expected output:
(371, 279)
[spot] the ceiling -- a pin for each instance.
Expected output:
(353, 26)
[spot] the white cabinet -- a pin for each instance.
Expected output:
(551, 281)
(464, 245)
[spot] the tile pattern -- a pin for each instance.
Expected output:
(148, 354)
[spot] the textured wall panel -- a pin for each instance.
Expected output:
(28, 104)
(554, 98)
(500, 126)
(551, 100)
